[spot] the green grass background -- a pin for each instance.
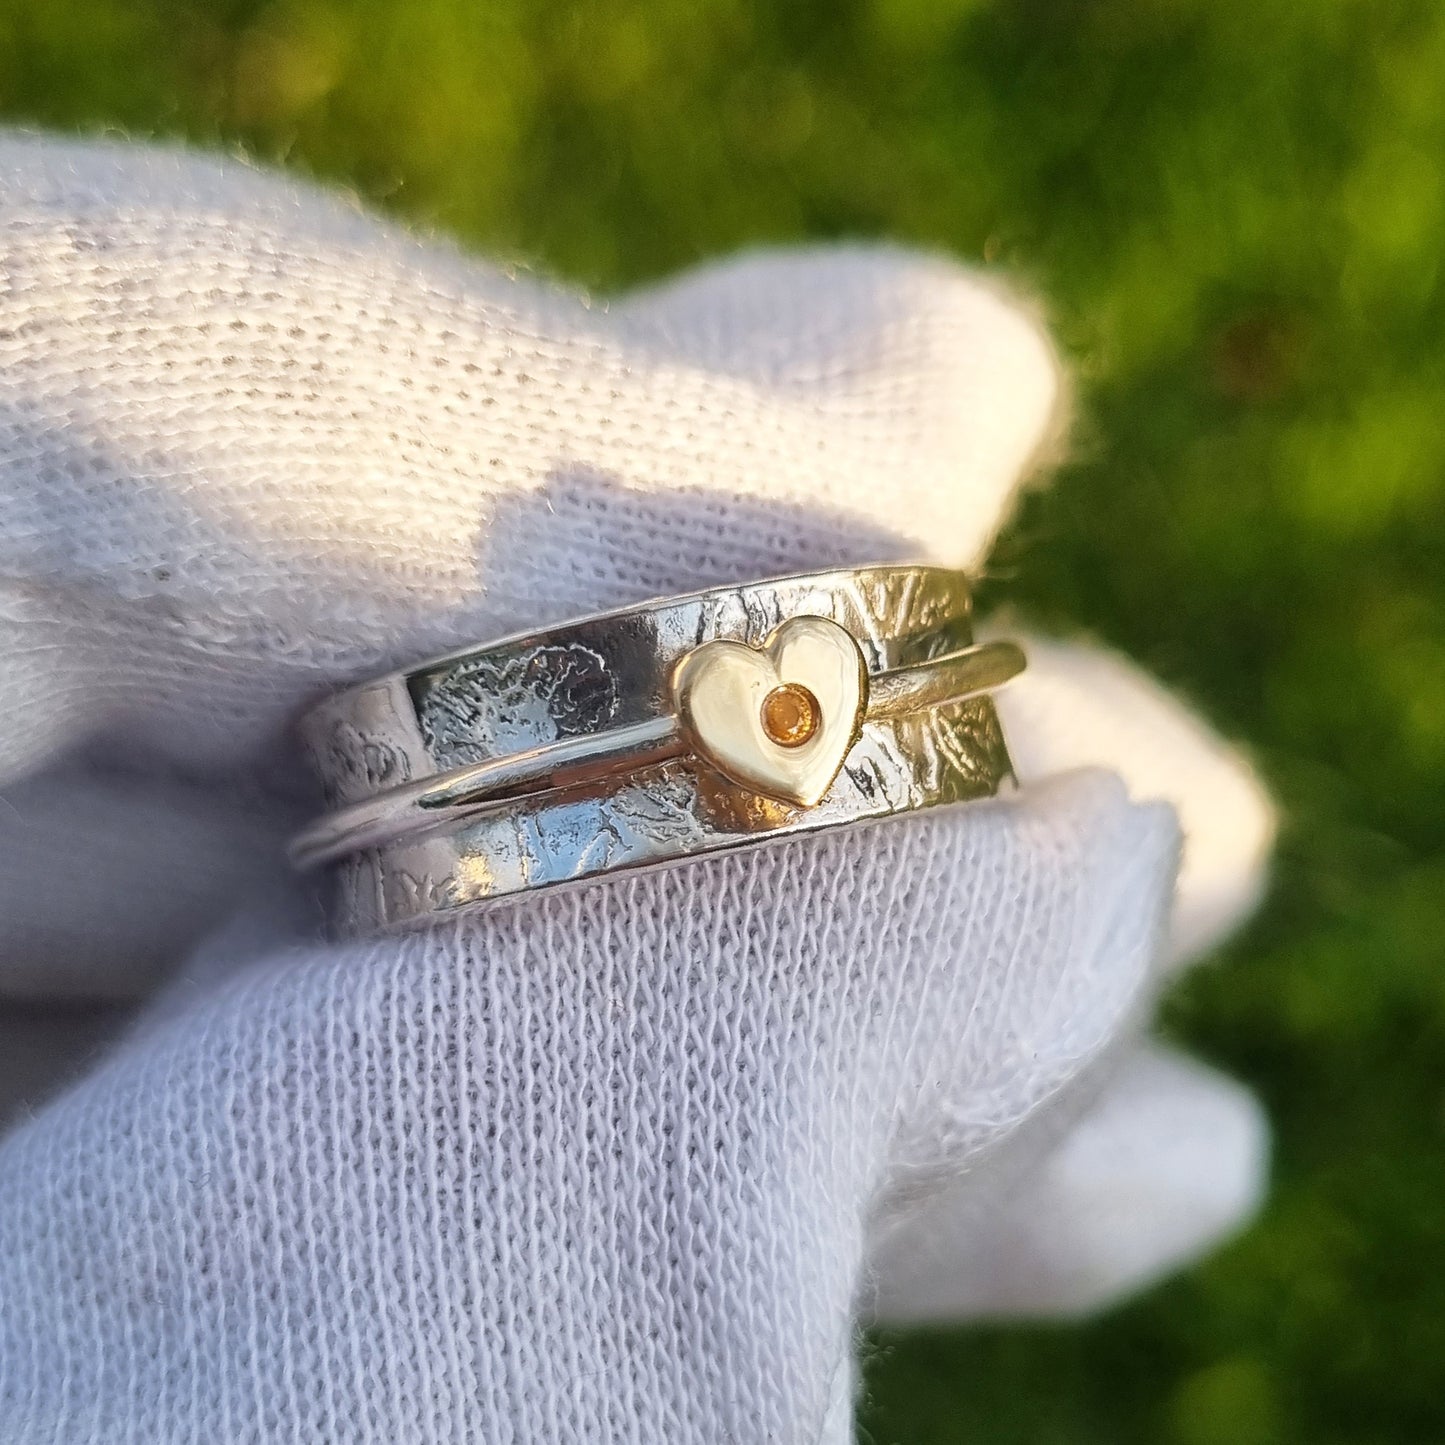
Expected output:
(1233, 210)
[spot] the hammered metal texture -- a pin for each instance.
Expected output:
(607, 672)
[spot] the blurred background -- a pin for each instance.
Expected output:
(1234, 213)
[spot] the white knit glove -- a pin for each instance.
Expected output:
(624, 1163)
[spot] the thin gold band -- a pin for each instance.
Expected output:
(576, 761)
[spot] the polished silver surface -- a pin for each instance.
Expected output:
(571, 762)
(555, 757)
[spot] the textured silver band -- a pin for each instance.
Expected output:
(558, 756)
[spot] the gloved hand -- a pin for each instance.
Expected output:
(623, 1163)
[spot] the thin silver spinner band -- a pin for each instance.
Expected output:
(652, 736)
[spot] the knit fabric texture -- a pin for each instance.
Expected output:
(627, 1163)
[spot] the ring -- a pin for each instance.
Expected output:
(651, 736)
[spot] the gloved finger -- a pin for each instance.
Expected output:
(106, 880)
(253, 443)
(1078, 705)
(1170, 1160)
(953, 379)
(663, 1106)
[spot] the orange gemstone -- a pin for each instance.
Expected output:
(790, 715)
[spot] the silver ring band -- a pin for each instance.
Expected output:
(653, 735)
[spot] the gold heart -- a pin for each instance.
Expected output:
(779, 719)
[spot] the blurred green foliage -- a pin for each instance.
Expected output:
(1235, 211)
